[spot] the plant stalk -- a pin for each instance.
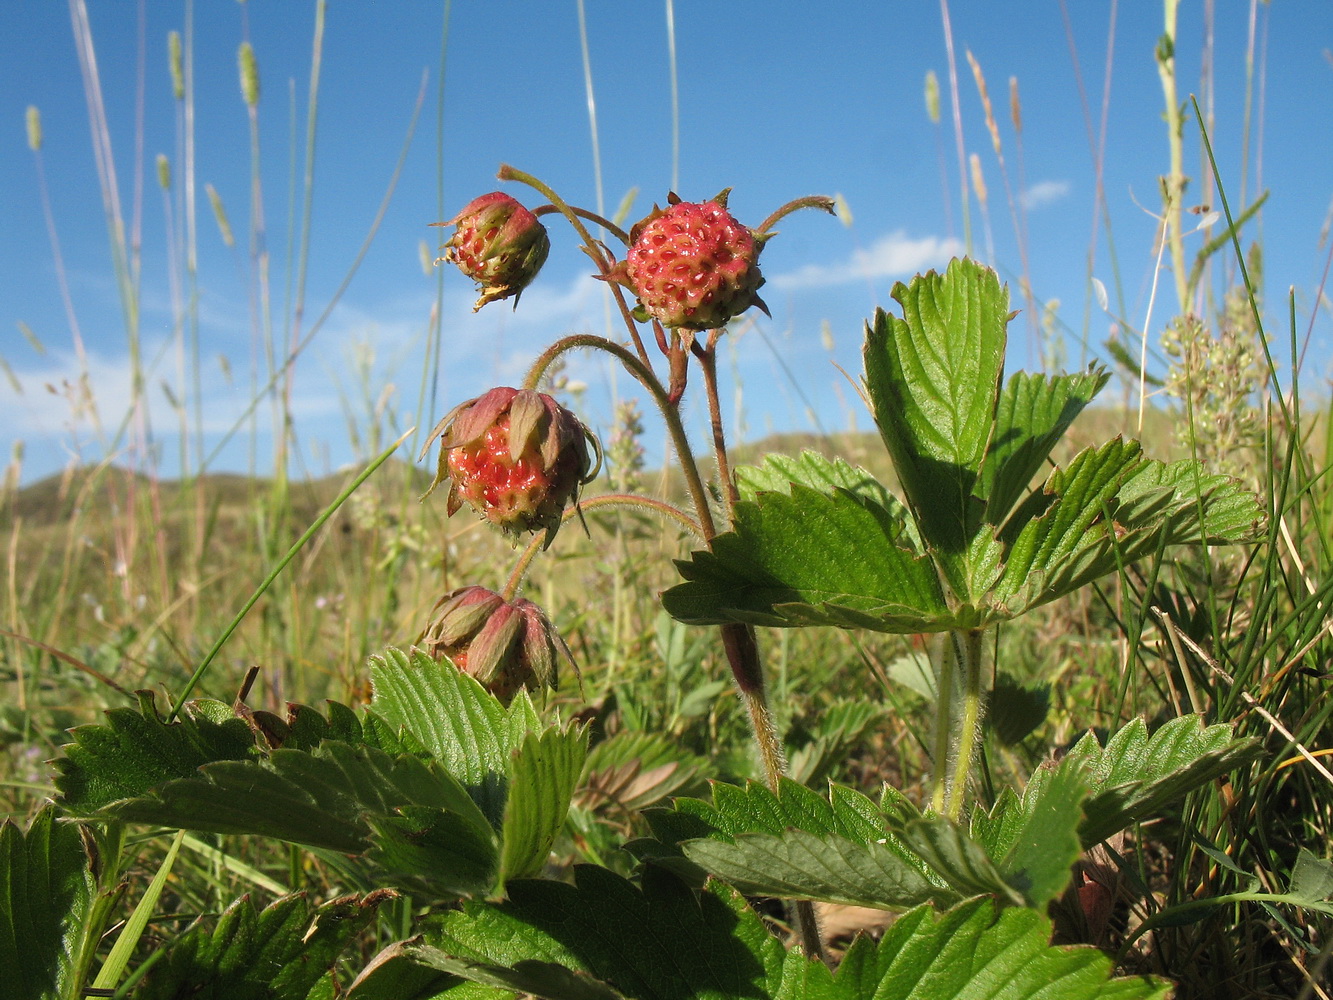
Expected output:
(534, 545)
(939, 779)
(969, 723)
(596, 250)
(648, 379)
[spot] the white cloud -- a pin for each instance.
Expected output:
(1044, 193)
(891, 256)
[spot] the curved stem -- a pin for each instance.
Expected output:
(670, 415)
(534, 545)
(708, 362)
(819, 201)
(583, 213)
(594, 248)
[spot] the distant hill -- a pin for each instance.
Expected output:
(88, 490)
(58, 498)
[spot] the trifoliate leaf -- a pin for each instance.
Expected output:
(1136, 775)
(541, 783)
(799, 865)
(1035, 840)
(798, 844)
(319, 798)
(823, 475)
(460, 723)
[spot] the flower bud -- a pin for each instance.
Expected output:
(499, 244)
(517, 456)
(505, 645)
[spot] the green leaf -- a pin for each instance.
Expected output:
(1034, 412)
(540, 787)
(394, 975)
(946, 850)
(341, 798)
(1035, 840)
(799, 844)
(800, 865)
(136, 750)
(753, 808)
(1311, 877)
(460, 723)
(278, 953)
(1135, 775)
(603, 937)
(46, 894)
(933, 378)
(823, 475)
(1109, 508)
(1061, 531)
(972, 952)
(1188, 505)
(811, 558)
(439, 850)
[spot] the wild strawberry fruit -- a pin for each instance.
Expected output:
(517, 456)
(505, 645)
(499, 244)
(693, 266)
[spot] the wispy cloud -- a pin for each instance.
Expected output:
(891, 256)
(1044, 193)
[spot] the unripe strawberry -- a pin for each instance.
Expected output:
(505, 645)
(517, 456)
(692, 266)
(499, 244)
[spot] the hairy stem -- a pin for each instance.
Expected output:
(670, 415)
(594, 248)
(534, 545)
(796, 204)
(708, 362)
(593, 217)
(969, 724)
(939, 779)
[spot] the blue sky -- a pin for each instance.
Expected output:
(776, 101)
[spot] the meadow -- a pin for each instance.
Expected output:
(272, 791)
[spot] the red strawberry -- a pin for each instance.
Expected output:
(505, 645)
(693, 266)
(499, 244)
(517, 456)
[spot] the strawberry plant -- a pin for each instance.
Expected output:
(441, 800)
